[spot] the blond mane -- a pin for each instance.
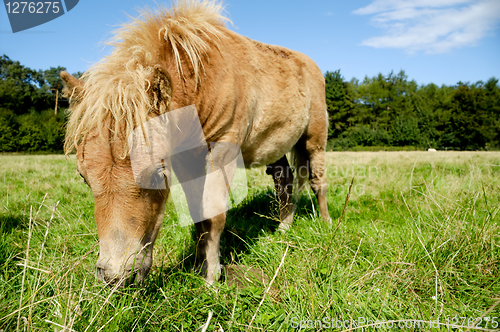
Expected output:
(116, 88)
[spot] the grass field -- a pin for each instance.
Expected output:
(418, 247)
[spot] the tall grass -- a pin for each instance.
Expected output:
(418, 243)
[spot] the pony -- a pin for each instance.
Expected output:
(266, 100)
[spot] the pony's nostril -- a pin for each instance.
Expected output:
(100, 273)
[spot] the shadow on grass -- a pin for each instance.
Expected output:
(10, 228)
(255, 216)
(9, 222)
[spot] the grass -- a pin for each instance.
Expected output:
(419, 241)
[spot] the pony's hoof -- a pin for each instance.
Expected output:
(284, 227)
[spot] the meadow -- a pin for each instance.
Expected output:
(414, 245)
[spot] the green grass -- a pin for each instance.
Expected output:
(420, 240)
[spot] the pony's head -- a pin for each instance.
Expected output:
(128, 217)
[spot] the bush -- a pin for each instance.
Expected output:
(405, 131)
(31, 132)
(8, 130)
(361, 135)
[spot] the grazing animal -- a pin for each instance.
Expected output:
(268, 100)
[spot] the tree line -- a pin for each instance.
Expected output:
(29, 119)
(381, 112)
(392, 111)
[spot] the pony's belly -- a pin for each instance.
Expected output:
(268, 147)
(261, 156)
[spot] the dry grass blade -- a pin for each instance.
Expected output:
(204, 327)
(342, 216)
(24, 270)
(268, 287)
(64, 328)
(103, 305)
(41, 253)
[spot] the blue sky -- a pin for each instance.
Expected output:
(438, 41)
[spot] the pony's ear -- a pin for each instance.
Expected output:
(72, 85)
(160, 89)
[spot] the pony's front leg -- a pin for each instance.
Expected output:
(209, 232)
(220, 165)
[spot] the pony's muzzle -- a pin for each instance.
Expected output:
(127, 274)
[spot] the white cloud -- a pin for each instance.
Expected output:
(432, 26)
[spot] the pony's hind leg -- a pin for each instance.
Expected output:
(283, 183)
(310, 161)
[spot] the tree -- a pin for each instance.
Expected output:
(53, 87)
(340, 103)
(27, 100)
(18, 86)
(492, 104)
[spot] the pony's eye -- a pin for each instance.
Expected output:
(84, 181)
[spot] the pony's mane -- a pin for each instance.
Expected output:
(116, 88)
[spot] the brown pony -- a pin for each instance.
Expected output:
(268, 100)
